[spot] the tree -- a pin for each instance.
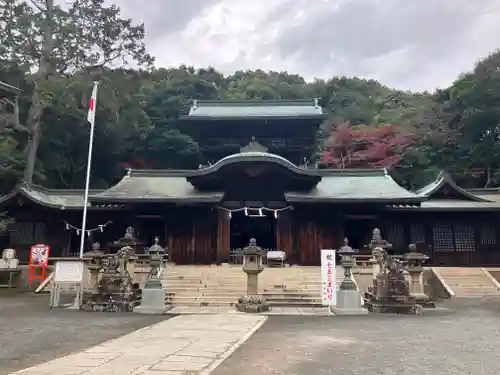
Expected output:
(472, 106)
(53, 41)
(365, 147)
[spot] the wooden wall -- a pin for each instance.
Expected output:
(315, 230)
(223, 237)
(192, 235)
(449, 239)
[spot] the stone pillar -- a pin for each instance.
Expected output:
(252, 284)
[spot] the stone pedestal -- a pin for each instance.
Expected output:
(153, 299)
(348, 303)
(415, 270)
(417, 288)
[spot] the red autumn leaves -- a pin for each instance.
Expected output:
(366, 147)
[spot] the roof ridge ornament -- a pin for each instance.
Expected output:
(253, 146)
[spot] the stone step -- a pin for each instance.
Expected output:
(201, 304)
(206, 294)
(204, 282)
(206, 289)
(295, 304)
(474, 286)
(282, 299)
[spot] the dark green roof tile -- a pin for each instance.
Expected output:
(164, 187)
(54, 198)
(444, 179)
(355, 186)
(254, 109)
(450, 205)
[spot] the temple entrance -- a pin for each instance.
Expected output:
(262, 228)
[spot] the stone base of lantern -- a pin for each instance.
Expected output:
(253, 304)
(152, 300)
(348, 303)
(423, 300)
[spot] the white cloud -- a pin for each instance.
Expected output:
(405, 44)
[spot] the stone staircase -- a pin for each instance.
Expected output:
(467, 281)
(222, 286)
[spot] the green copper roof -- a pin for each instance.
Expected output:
(335, 186)
(450, 205)
(249, 109)
(156, 186)
(355, 186)
(53, 198)
(444, 180)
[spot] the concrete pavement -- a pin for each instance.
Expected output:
(185, 344)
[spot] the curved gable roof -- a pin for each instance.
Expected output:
(444, 179)
(255, 157)
(307, 178)
(53, 198)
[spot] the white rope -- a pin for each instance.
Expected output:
(100, 228)
(260, 210)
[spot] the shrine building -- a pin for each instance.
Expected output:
(257, 182)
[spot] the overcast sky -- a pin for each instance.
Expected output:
(405, 44)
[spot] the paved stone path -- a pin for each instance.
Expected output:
(185, 344)
(31, 333)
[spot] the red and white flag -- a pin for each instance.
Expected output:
(92, 104)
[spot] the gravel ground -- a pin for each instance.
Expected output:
(464, 341)
(31, 333)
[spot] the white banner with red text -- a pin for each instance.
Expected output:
(328, 278)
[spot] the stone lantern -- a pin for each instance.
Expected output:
(415, 267)
(253, 265)
(93, 258)
(156, 255)
(348, 297)
(153, 295)
(347, 262)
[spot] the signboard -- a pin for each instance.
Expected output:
(39, 261)
(328, 278)
(39, 255)
(70, 272)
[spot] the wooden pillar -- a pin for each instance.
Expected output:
(284, 238)
(223, 237)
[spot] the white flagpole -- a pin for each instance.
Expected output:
(89, 167)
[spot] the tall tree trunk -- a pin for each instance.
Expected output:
(36, 109)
